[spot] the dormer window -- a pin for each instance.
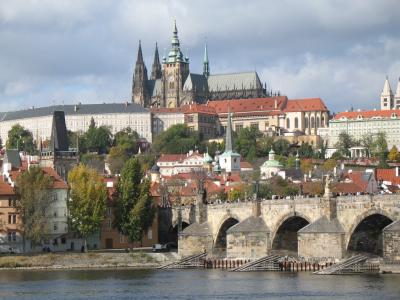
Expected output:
(359, 117)
(394, 115)
(343, 118)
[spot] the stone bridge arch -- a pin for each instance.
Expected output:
(369, 222)
(284, 234)
(220, 235)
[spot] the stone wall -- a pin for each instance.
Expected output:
(321, 245)
(192, 244)
(391, 245)
(247, 244)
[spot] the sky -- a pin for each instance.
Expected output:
(55, 52)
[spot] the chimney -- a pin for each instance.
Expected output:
(276, 103)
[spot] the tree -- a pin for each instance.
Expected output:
(21, 139)
(291, 162)
(306, 166)
(264, 145)
(367, 141)
(135, 210)
(306, 151)
(344, 144)
(116, 159)
(176, 139)
(88, 195)
(380, 144)
(281, 147)
(393, 154)
(127, 140)
(34, 198)
(329, 165)
(97, 139)
(246, 142)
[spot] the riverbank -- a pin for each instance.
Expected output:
(90, 260)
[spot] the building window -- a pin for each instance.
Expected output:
(109, 224)
(266, 125)
(318, 124)
(306, 122)
(12, 219)
(189, 119)
(296, 122)
(288, 123)
(149, 234)
(191, 128)
(238, 127)
(12, 236)
(312, 122)
(55, 227)
(121, 238)
(254, 125)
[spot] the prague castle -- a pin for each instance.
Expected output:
(173, 85)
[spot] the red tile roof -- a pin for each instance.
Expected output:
(347, 188)
(173, 110)
(176, 157)
(5, 188)
(388, 175)
(248, 105)
(198, 108)
(367, 114)
(308, 104)
(58, 182)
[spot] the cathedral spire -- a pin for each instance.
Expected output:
(228, 138)
(387, 90)
(140, 94)
(206, 65)
(397, 95)
(156, 68)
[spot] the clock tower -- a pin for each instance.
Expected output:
(175, 72)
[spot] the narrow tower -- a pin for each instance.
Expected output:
(387, 96)
(140, 94)
(206, 65)
(397, 96)
(175, 72)
(230, 159)
(156, 68)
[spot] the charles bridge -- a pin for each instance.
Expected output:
(309, 227)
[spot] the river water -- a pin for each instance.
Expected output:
(192, 284)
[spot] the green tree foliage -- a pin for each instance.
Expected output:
(246, 142)
(337, 156)
(306, 151)
(264, 145)
(176, 139)
(213, 147)
(291, 162)
(380, 146)
(97, 139)
(116, 159)
(367, 141)
(127, 140)
(34, 198)
(135, 211)
(344, 144)
(306, 166)
(264, 191)
(88, 201)
(21, 139)
(281, 147)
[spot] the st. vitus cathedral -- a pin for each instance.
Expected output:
(171, 84)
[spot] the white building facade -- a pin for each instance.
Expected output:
(77, 117)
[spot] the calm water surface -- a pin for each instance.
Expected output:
(193, 284)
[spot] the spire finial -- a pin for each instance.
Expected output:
(228, 138)
(206, 64)
(175, 28)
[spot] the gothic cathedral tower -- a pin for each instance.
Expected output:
(140, 93)
(175, 72)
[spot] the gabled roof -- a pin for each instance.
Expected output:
(198, 108)
(251, 224)
(5, 188)
(248, 105)
(307, 104)
(197, 229)
(197, 82)
(395, 226)
(232, 81)
(323, 225)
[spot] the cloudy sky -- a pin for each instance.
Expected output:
(54, 52)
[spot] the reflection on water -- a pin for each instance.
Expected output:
(192, 284)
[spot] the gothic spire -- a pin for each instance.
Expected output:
(140, 94)
(175, 54)
(206, 65)
(156, 68)
(397, 95)
(387, 90)
(139, 54)
(228, 138)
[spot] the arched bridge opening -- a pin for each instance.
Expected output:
(285, 239)
(220, 242)
(173, 232)
(367, 236)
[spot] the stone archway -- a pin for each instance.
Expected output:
(366, 237)
(220, 241)
(285, 237)
(173, 232)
